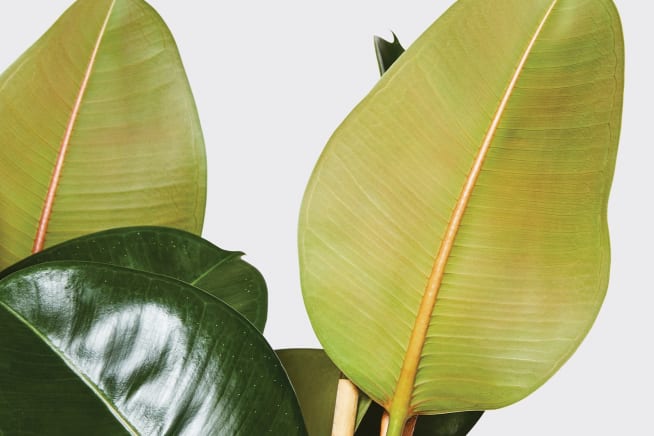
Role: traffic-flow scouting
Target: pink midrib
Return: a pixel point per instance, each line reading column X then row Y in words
column 46, row 212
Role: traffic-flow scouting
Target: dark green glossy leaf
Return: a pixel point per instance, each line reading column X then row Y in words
column 174, row 253
column 315, row 379
column 449, row 424
column 84, row 341
column 387, row 52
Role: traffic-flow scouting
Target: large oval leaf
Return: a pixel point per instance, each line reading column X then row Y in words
column 173, row 253
column 86, row 346
column 453, row 237
column 98, row 129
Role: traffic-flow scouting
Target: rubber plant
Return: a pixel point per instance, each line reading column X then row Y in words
column 453, row 240
column 130, row 330
column 453, row 237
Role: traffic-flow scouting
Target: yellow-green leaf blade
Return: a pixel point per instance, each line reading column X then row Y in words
column 105, row 90
column 529, row 260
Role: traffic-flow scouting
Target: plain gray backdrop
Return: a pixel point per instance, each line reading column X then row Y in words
column 272, row 80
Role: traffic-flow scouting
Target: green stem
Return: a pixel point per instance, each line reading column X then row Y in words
column 405, row 428
column 396, row 424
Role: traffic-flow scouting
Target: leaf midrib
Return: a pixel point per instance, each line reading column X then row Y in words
column 46, row 212
column 221, row 262
column 400, row 403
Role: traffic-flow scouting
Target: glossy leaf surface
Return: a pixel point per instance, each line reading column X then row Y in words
column 98, row 130
column 171, row 252
column 87, row 346
column 387, row 52
column 453, row 237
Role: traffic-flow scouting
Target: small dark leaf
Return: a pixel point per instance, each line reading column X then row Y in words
column 387, row 52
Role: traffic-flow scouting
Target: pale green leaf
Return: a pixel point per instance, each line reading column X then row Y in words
column 103, row 92
column 476, row 174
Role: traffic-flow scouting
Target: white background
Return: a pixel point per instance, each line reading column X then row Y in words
column 272, row 80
